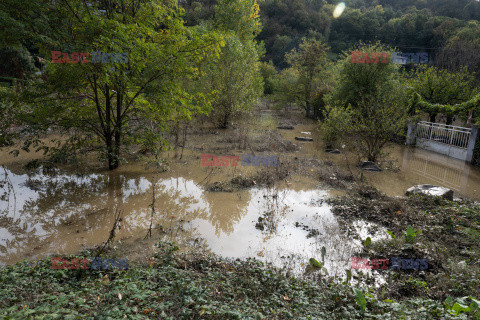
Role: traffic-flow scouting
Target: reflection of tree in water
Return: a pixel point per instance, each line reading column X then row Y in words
column 19, row 233
column 182, row 200
column 63, row 199
column 7, row 192
column 226, row 209
column 272, row 211
column 53, row 205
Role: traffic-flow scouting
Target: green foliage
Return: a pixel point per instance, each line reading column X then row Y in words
column 462, row 49
column 391, row 234
column 310, row 62
column 411, row 234
column 9, row 113
column 440, row 91
column 314, row 263
column 411, row 25
column 335, row 126
column 286, row 91
column 241, row 17
column 461, row 305
column 164, row 58
column 349, row 276
column 269, row 73
column 360, row 299
column 16, row 62
column 377, row 100
column 368, row 242
column 174, row 286
column 417, row 283
column 441, row 86
column 288, row 21
column 361, row 82
column 235, row 78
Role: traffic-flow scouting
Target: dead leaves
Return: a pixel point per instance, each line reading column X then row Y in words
column 286, row 298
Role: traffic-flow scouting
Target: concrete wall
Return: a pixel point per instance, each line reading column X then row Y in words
column 451, row 151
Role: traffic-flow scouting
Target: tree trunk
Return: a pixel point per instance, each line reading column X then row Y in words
column 307, row 109
column 226, row 117
column 108, row 130
column 177, row 132
column 118, row 133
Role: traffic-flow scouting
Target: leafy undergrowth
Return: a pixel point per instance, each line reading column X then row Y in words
column 446, row 233
column 176, row 287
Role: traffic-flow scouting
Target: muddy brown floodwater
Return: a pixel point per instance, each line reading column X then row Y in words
column 64, row 211
column 419, row 166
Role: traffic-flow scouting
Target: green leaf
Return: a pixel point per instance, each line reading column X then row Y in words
column 368, row 242
column 360, row 298
column 391, row 234
column 349, row 275
column 459, row 308
column 475, row 302
column 314, row 263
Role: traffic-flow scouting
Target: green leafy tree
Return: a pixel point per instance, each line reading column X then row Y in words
column 310, row 61
column 373, row 98
column 110, row 100
column 269, row 73
column 286, row 90
column 335, row 126
column 239, row 16
column 436, row 85
column 235, row 74
column 16, row 62
column 235, row 77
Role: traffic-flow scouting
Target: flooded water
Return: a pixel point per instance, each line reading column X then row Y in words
column 419, row 166
column 63, row 213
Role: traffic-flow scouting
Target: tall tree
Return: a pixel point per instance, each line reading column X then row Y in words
column 16, row 62
column 373, row 99
column 236, row 78
column 462, row 49
column 110, row 98
column 235, row 75
column 310, row 60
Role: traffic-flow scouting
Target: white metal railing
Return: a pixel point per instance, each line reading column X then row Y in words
column 451, row 135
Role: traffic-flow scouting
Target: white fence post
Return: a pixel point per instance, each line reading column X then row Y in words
column 411, row 134
column 471, row 144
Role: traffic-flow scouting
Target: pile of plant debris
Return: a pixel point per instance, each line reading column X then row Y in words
column 446, row 233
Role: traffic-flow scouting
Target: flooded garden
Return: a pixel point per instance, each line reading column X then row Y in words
column 284, row 215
